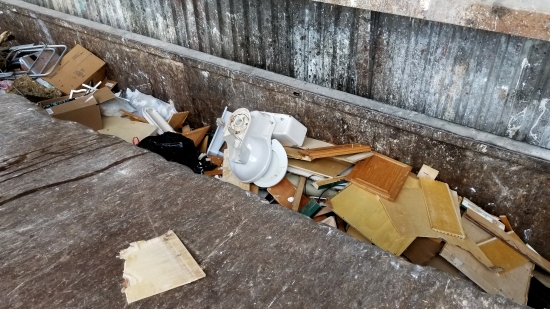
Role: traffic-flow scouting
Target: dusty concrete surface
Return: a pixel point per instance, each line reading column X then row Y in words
column 528, row 18
column 71, row 199
column 499, row 174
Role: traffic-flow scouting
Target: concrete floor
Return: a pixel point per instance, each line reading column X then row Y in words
column 71, row 199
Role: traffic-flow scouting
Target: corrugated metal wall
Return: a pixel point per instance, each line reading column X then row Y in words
column 489, row 81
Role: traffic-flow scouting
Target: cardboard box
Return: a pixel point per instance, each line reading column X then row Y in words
column 84, row 109
column 79, row 66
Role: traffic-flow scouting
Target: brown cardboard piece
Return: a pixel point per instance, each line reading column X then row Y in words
column 79, row 66
column 84, row 109
column 422, row 250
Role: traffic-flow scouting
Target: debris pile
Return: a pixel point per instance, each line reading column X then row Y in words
column 365, row 194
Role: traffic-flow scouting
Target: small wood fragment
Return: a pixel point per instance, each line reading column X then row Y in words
column 330, row 221
column 204, row 145
column 331, row 151
column 327, row 183
column 197, row 135
column 177, row 120
column 298, row 193
column 501, row 254
column 133, row 117
column 187, row 128
column 507, row 225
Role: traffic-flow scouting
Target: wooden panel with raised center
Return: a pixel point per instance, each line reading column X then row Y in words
column 380, row 175
column 444, row 218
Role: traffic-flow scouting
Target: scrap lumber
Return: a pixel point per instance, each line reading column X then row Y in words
column 332, row 151
column 507, row 225
column 501, row 254
column 283, row 193
column 157, row 265
column 354, row 158
column 325, row 167
column 177, row 120
column 133, row 117
column 474, row 232
column 328, row 183
column 428, row 172
column 444, row 216
column 380, row 175
column 466, row 203
column 204, row 145
column 409, row 217
column 310, row 143
column 363, row 210
column 513, row 242
column 298, row 193
column 513, row 284
column 197, row 135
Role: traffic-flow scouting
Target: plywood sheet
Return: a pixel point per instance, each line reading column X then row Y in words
column 513, row 284
column 443, row 216
column 518, row 245
column 409, row 216
column 363, row 210
column 157, row 265
column 502, row 254
column 177, row 120
column 380, row 175
column 325, row 167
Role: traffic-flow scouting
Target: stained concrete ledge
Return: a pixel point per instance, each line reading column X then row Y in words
column 71, row 199
column 527, row 18
column 501, row 175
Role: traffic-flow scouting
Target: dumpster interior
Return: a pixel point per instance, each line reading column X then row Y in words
column 137, row 170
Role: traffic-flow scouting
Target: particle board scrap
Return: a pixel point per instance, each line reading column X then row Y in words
column 354, row 158
column 332, row 151
column 512, row 241
column 409, row 216
column 325, row 167
column 501, row 254
column 283, row 193
column 474, row 232
column 363, row 211
column 157, row 265
column 428, row 172
column 513, row 284
column 298, row 193
column 380, row 175
column 442, row 212
column 197, row 135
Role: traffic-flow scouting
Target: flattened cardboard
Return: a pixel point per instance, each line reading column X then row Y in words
column 423, row 250
column 79, row 66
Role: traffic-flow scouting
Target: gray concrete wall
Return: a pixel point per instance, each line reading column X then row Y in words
column 490, row 81
column 501, row 175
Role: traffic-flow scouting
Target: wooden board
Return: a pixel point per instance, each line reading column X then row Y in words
column 229, row 177
column 157, row 265
column 412, row 182
column 310, row 143
column 177, row 120
column 474, row 232
column 332, row 151
column 355, row 157
column 516, row 244
column 325, row 167
column 487, row 216
column 355, row 234
column 133, row 117
column 363, row 210
column 507, row 225
column 501, row 254
column 409, row 216
column 298, row 193
column 443, row 215
column 513, row 284
column 428, row 172
column 197, row 135
column 127, row 129
column 283, row 193
column 380, row 175
column 327, row 183
column 422, row 250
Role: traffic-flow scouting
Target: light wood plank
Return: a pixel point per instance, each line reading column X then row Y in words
column 516, row 244
column 501, row 254
column 513, row 284
column 441, row 208
column 363, row 210
column 331, row 151
column 326, row 183
column 380, row 175
column 325, row 167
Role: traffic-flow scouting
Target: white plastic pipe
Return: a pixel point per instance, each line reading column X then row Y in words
column 154, row 118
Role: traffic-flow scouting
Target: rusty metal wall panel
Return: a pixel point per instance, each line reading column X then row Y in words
column 493, row 82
